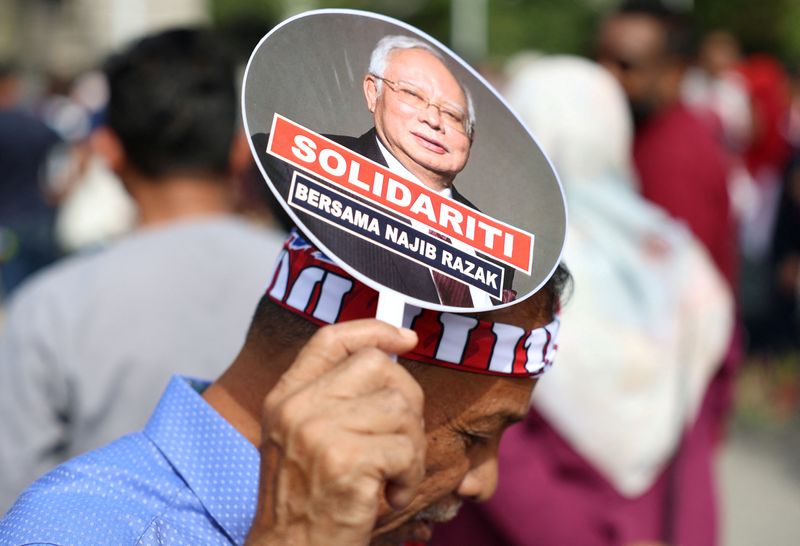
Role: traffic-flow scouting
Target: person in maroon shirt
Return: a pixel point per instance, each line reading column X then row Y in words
column 681, row 167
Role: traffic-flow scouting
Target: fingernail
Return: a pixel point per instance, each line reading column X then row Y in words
column 408, row 334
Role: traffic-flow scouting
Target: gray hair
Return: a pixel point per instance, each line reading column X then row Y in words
column 379, row 60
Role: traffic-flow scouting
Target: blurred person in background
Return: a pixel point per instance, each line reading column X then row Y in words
column 27, row 241
column 616, row 449
column 767, row 158
column 717, row 92
column 785, row 257
column 681, row 167
column 785, row 251
column 769, row 89
column 89, row 343
column 93, row 206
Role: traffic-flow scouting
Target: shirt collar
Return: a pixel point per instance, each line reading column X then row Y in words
column 217, row 463
column 396, row 167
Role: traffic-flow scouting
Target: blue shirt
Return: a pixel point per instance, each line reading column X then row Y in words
column 189, row 478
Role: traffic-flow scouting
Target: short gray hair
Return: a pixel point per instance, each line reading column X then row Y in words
column 379, row 60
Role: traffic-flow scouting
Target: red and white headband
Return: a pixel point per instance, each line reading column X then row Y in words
column 308, row 283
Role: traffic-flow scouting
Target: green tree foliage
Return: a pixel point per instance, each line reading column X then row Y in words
column 550, row 26
column 771, row 26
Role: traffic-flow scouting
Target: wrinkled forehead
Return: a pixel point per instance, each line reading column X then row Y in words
column 424, row 69
column 464, row 397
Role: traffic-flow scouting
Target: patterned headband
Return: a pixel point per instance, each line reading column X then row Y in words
column 309, row 284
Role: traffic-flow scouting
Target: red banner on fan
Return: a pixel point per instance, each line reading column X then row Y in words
column 330, row 161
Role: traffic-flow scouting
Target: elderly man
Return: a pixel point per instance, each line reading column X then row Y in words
column 424, row 124
column 312, row 436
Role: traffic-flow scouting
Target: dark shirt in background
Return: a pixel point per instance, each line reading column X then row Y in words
column 27, row 241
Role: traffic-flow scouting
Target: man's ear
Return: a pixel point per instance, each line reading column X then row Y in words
column 371, row 92
column 239, row 157
column 107, row 145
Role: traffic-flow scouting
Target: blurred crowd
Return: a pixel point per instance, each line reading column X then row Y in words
column 58, row 195
column 679, row 155
column 142, row 174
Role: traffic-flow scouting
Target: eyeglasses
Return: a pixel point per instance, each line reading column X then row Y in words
column 452, row 116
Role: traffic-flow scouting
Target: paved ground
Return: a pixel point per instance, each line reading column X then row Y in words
column 760, row 482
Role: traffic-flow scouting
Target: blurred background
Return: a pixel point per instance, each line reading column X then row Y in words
column 749, row 49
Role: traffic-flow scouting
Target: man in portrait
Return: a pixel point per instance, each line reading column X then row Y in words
column 424, row 124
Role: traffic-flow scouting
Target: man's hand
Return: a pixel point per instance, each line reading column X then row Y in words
column 342, row 425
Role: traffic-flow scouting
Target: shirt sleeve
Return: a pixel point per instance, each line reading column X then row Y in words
column 34, row 395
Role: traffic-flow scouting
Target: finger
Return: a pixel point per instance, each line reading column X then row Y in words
column 359, row 465
column 383, row 412
column 332, row 344
column 368, row 393
column 298, row 418
column 404, row 469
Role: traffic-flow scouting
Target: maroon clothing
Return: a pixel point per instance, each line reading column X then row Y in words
column 683, row 170
column 770, row 98
column 548, row 495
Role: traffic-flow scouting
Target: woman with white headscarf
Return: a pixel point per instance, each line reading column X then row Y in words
column 642, row 335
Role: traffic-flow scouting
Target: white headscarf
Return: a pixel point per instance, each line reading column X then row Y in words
column 650, row 317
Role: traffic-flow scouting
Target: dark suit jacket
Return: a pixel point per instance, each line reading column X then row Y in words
column 390, row 269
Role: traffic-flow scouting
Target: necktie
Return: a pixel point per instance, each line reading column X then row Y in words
column 451, row 291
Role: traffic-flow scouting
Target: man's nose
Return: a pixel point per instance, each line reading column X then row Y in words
column 480, row 482
column 431, row 115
